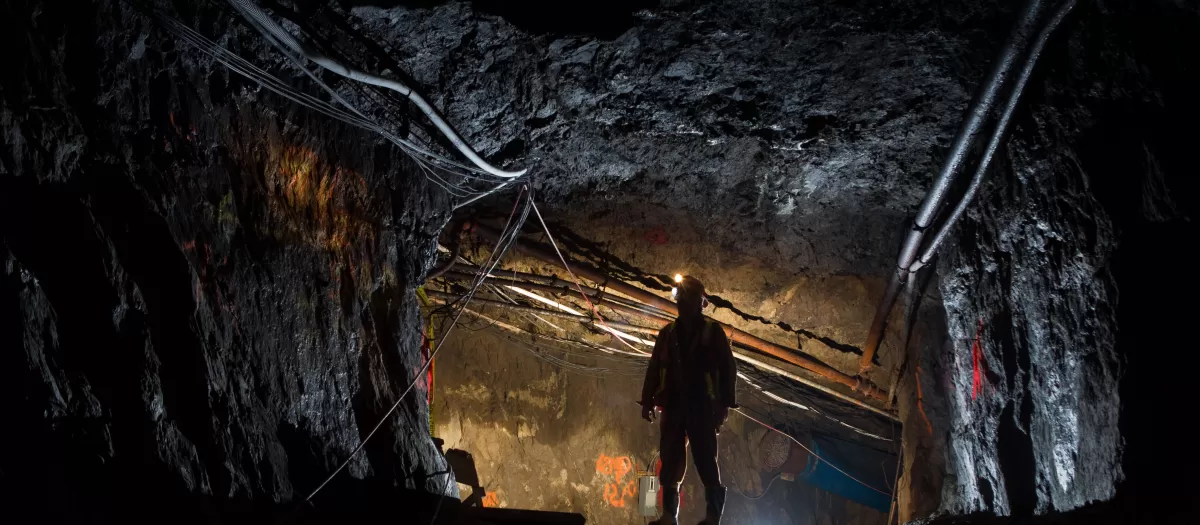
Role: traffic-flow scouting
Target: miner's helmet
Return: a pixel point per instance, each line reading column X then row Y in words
column 688, row 288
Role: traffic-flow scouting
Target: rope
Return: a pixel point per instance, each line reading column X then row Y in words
column 810, row 451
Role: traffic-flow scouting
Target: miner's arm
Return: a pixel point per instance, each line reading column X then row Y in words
column 655, row 371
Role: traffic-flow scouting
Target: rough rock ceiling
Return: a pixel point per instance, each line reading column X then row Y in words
column 778, row 119
column 179, row 273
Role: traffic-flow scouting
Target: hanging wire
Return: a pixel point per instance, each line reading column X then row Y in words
column 296, row 51
column 760, row 494
column 810, row 451
column 434, row 167
column 505, row 241
column 622, row 365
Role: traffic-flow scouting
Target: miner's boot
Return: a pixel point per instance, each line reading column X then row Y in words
column 670, row 512
column 714, row 498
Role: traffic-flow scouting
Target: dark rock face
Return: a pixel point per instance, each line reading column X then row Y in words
column 204, row 293
column 1044, row 270
column 781, row 121
column 803, row 133
column 208, row 291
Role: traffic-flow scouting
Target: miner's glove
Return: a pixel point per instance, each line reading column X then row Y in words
column 648, row 413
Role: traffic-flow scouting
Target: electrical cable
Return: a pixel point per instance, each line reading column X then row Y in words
column 422, row 156
column 998, row 134
column 629, row 371
column 496, row 290
column 782, row 400
column 441, row 495
column 760, row 494
column 497, row 253
column 427, row 161
column 605, row 351
column 271, row 29
column 576, row 279
column 494, row 258
column 810, row 451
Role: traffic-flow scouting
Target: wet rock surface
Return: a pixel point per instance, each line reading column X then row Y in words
column 1043, row 274
column 783, row 120
column 207, row 297
column 206, row 290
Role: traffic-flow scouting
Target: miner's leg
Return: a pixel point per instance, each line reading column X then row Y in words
column 702, row 431
column 672, row 446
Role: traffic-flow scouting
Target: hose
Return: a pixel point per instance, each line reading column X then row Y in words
column 426, row 160
column 998, row 134
column 271, row 29
column 977, row 112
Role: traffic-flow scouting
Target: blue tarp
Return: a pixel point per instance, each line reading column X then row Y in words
column 872, row 467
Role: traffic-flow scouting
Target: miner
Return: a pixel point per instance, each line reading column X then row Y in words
column 690, row 382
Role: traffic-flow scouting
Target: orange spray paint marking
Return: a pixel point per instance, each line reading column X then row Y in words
column 616, row 490
column 629, row 491
column 491, row 500
column 657, row 236
column 612, row 496
column 977, row 363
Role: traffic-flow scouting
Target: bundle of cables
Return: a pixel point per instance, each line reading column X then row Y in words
column 467, row 183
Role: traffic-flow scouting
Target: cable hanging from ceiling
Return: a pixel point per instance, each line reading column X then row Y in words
column 284, row 40
column 593, row 322
column 456, row 178
column 772, row 398
column 511, row 230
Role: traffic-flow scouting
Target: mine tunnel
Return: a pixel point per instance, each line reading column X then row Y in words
column 435, row 262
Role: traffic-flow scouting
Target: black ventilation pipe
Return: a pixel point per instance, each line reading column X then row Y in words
column 977, row 113
column 1035, row 50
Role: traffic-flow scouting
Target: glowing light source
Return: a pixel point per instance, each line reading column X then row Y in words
column 678, row 278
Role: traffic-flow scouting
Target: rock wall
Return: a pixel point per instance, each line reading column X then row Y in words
column 1047, row 273
column 206, row 297
column 543, row 434
column 545, row 437
column 211, row 290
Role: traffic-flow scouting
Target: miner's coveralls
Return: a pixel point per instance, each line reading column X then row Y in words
column 691, row 374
